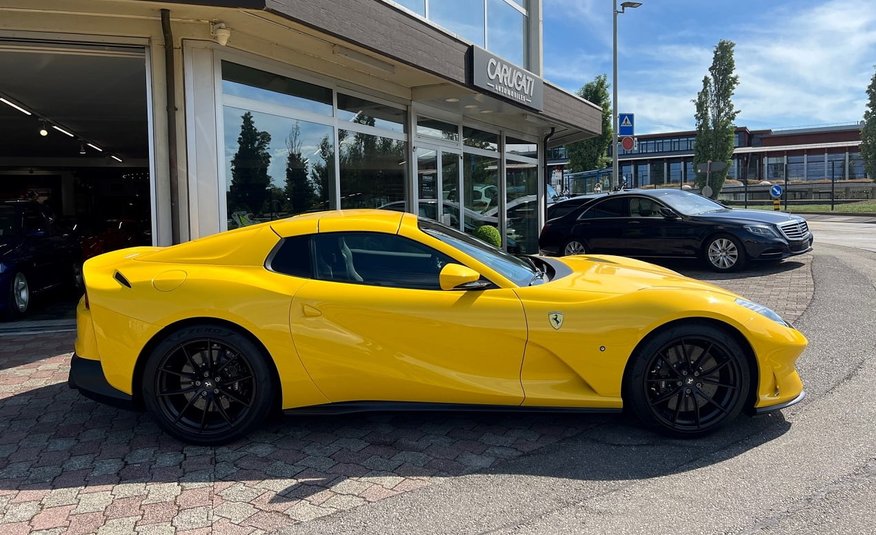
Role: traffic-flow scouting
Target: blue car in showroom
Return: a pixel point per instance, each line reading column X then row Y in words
column 35, row 256
column 671, row 223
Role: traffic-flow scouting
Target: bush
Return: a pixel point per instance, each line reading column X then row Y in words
column 489, row 234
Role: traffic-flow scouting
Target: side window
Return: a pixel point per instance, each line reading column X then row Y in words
column 616, row 207
column 292, row 257
column 643, row 207
column 33, row 220
column 378, row 259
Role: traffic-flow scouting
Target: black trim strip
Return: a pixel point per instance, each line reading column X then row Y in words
column 350, row 407
column 772, row 408
column 87, row 377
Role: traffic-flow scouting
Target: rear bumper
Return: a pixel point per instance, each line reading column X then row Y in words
column 87, row 377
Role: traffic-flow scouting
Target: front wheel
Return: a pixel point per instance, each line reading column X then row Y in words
column 724, row 253
column 17, row 296
column 207, row 384
column 574, row 247
column 688, row 380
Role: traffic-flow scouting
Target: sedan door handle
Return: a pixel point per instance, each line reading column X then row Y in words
column 311, row 312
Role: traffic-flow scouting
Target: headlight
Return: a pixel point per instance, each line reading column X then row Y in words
column 763, row 311
column 762, row 230
column 2, row 267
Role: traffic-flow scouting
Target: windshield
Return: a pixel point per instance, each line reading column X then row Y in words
column 691, row 203
column 515, row 269
column 10, row 222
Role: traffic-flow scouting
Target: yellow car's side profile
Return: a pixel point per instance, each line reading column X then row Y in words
column 361, row 309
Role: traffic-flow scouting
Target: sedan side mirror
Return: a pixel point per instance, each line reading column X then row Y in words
column 668, row 213
column 459, row 277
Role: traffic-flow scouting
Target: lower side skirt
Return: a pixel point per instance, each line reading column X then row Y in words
column 351, row 407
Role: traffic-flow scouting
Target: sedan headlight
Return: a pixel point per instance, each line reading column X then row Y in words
column 763, row 230
column 2, row 267
column 762, row 310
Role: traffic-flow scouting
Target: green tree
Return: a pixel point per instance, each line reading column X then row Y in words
column 715, row 116
column 249, row 168
column 593, row 153
column 868, row 132
column 300, row 190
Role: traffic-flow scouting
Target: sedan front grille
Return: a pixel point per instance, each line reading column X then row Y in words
column 795, row 230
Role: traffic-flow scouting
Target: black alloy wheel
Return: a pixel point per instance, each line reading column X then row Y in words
column 688, row 380
column 207, row 385
column 724, row 253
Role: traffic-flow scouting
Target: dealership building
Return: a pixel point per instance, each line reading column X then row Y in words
column 182, row 119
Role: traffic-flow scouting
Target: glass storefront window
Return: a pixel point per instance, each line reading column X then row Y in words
column 795, row 167
column 437, row 129
column 472, row 137
column 835, row 166
column 506, row 31
column 521, row 147
column 261, row 86
column 814, row 166
column 465, row 18
column 360, row 111
column 480, row 180
column 372, row 169
column 275, row 166
column 417, row 6
column 521, row 206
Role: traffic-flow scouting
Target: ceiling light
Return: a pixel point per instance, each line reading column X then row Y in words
column 116, row 158
column 451, row 99
column 471, row 106
column 95, row 147
column 486, row 111
column 16, row 106
column 220, row 32
column 59, row 129
column 82, row 148
column 43, row 131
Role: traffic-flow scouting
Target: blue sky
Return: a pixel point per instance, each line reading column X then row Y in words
column 800, row 62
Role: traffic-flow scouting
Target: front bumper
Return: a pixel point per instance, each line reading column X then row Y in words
column 87, row 376
column 785, row 405
column 776, row 248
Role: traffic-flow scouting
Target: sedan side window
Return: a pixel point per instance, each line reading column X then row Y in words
column 642, row 207
column 616, row 207
column 378, row 259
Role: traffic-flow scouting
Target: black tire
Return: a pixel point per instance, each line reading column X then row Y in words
column 18, row 297
column 724, row 253
column 688, row 380
column 573, row 247
column 207, row 384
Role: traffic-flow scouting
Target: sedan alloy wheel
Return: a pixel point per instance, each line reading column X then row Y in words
column 574, row 247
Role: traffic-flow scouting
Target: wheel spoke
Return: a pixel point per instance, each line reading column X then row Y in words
column 668, row 365
column 190, row 376
column 710, row 400
column 183, row 411
column 178, row 392
column 665, row 397
column 228, row 360
column 235, row 380
column 684, row 354
column 206, row 411
column 715, row 369
column 702, row 357
column 234, row 397
column 223, row 413
column 718, row 383
column 678, row 405
column 189, row 358
column 697, row 412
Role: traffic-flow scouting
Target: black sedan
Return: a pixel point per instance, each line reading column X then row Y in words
column 671, row 223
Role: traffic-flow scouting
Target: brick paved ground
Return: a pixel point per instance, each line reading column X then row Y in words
column 70, row 465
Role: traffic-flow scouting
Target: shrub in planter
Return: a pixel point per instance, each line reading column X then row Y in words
column 489, row 234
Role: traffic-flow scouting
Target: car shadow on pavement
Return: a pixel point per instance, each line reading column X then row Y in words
column 53, row 438
column 21, row 350
column 696, row 270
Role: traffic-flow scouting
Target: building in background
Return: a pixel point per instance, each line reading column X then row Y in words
column 185, row 118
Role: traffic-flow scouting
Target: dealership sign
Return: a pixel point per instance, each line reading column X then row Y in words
column 496, row 75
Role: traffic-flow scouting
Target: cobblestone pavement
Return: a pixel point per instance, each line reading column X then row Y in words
column 70, row 465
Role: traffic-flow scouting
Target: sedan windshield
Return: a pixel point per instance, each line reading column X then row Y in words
column 515, row 269
column 691, row 203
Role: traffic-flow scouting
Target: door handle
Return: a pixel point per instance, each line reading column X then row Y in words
column 311, row 312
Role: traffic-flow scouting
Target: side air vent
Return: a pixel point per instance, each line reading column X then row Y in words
column 121, row 279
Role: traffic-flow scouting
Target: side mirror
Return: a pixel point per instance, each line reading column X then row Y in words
column 459, row 277
column 668, row 213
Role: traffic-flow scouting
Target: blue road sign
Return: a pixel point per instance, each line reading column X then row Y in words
column 776, row 191
column 626, row 121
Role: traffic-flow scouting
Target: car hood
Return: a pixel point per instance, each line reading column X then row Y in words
column 620, row 275
column 749, row 216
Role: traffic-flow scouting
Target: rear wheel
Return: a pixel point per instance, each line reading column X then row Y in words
column 207, row 384
column 688, row 380
column 574, row 247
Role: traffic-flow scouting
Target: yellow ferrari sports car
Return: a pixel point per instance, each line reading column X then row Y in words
column 358, row 310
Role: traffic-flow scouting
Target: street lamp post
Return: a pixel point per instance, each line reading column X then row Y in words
column 614, row 136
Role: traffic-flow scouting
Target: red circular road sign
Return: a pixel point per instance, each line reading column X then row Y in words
column 628, row 143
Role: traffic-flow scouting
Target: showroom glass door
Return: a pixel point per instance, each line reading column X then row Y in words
column 438, row 185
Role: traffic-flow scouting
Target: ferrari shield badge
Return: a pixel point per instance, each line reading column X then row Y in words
column 556, row 319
